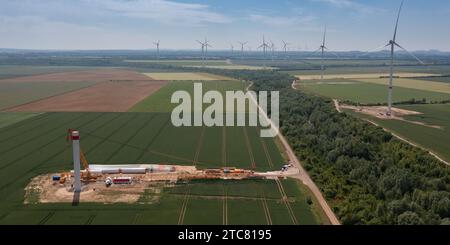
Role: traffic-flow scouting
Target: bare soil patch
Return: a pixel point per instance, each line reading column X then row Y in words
column 110, row 96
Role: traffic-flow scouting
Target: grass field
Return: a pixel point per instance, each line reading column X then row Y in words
column 367, row 93
column 185, row 76
column 160, row 101
column 14, row 94
column 140, row 138
column 436, row 140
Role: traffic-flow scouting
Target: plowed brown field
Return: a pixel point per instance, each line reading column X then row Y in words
column 103, row 97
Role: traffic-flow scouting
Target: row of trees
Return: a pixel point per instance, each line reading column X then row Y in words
column 367, row 175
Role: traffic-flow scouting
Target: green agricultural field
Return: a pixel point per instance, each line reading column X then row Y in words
column 185, row 76
column 9, row 118
column 434, row 139
column 114, row 138
column 436, row 79
column 182, row 62
column 367, row 93
column 233, row 67
column 368, row 67
column 10, row 71
column 160, row 101
column 18, row 93
column 413, row 84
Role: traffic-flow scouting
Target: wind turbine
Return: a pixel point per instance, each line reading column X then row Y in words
column 394, row 43
column 323, row 47
column 242, row 49
column 232, row 49
column 203, row 52
column 157, row 48
column 264, row 46
column 206, row 48
column 285, row 46
column 272, row 48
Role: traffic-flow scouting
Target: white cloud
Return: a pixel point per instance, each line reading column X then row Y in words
column 163, row 11
column 279, row 21
column 350, row 4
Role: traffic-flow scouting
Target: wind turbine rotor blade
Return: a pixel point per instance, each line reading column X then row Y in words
column 373, row 50
column 411, row 54
column 317, row 50
column 324, row 35
column 398, row 18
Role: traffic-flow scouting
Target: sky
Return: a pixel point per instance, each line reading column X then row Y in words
column 135, row 24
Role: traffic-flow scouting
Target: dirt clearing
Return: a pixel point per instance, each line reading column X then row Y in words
column 110, row 96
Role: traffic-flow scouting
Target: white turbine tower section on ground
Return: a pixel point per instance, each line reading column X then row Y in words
column 157, row 49
column 264, row 46
column 75, row 135
column 392, row 43
column 242, row 49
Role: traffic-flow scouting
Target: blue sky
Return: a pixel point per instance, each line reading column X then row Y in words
column 135, row 24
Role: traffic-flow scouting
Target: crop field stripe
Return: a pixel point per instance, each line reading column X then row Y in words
column 130, row 138
column 106, row 138
column 224, row 146
column 46, row 218
column 266, row 209
column 29, row 129
column 32, row 138
column 183, row 208
column 3, row 166
column 224, row 206
column 199, row 146
column 149, row 144
column 37, row 166
column 286, row 202
column 266, row 152
column 90, row 219
column 31, row 120
column 249, row 148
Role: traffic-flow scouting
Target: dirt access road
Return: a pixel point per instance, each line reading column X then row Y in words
column 302, row 174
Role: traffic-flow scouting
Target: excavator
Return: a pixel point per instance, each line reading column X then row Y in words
column 86, row 175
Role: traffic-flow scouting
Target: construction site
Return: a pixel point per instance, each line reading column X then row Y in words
column 126, row 183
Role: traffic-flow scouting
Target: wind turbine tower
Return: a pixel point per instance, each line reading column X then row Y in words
column 206, row 48
column 272, row 49
column 203, row 52
column 285, row 46
column 242, row 49
column 322, row 48
column 393, row 43
column 157, row 49
column 264, row 46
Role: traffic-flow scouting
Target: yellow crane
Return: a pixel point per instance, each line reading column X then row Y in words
column 86, row 175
